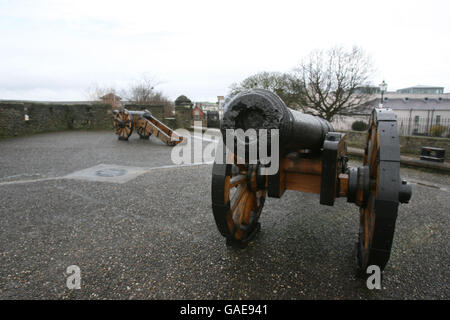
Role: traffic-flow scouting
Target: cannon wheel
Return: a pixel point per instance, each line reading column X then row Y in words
column 238, row 196
column 378, row 213
column 123, row 125
column 143, row 128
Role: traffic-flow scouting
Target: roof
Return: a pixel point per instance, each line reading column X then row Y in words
column 422, row 86
column 111, row 95
column 183, row 100
column 416, row 104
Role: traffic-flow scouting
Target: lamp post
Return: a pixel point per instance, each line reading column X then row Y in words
column 383, row 88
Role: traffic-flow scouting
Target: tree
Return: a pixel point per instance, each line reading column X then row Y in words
column 285, row 85
column 143, row 92
column 94, row 93
column 332, row 78
column 140, row 92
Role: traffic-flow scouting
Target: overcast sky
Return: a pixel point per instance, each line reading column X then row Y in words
column 56, row 50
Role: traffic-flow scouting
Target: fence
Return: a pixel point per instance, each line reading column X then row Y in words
column 415, row 126
column 407, row 126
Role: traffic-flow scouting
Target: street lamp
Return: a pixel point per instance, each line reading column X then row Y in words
column 383, row 88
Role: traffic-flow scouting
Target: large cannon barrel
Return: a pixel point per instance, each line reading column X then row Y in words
column 262, row 109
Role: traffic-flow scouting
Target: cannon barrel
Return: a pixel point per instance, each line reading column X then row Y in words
column 262, row 109
column 146, row 114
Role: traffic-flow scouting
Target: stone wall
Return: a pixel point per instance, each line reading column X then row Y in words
column 408, row 144
column 47, row 117
column 52, row 117
column 183, row 117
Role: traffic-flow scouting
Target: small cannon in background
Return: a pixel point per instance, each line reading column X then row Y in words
column 145, row 124
column 312, row 158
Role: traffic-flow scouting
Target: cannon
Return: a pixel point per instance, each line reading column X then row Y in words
column 312, row 158
column 145, row 124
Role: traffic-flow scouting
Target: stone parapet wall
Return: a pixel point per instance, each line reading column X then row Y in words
column 18, row 119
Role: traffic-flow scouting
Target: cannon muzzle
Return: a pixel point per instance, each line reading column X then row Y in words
column 262, row 109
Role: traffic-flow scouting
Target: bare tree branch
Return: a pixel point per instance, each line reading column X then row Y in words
column 331, row 79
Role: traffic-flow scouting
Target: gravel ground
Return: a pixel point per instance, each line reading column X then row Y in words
column 154, row 237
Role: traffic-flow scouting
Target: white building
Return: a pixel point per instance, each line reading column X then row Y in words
column 418, row 110
column 417, row 116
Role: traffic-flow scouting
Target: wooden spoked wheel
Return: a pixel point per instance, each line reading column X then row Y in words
column 238, row 195
column 123, row 124
column 378, row 212
column 143, row 128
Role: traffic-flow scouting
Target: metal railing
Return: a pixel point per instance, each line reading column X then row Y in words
column 407, row 126
column 416, row 126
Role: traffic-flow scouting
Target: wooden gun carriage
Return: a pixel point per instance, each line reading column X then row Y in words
column 145, row 124
column 312, row 158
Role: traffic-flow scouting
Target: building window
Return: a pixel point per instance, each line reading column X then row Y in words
column 438, row 120
column 416, row 119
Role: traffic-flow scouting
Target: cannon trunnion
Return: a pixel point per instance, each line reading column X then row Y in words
column 312, row 158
